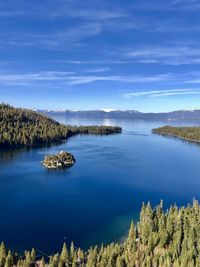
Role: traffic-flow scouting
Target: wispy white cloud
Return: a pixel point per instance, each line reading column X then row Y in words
column 94, row 10
column 193, row 81
column 69, row 78
column 74, row 80
column 186, row 5
column 181, row 5
column 97, row 70
column 162, row 93
column 88, row 13
column 28, row 79
column 57, row 39
column 100, row 75
column 91, row 62
column 12, row 13
column 82, row 20
column 171, row 55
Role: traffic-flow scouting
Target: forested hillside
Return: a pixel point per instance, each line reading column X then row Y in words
column 22, row 127
column 160, row 239
column 188, row 133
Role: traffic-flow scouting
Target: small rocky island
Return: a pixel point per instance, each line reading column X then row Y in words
column 61, row 160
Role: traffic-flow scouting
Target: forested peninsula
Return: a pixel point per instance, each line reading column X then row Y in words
column 26, row 128
column 191, row 134
column 160, row 239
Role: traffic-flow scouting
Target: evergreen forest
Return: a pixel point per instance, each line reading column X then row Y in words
column 160, row 239
column 23, row 127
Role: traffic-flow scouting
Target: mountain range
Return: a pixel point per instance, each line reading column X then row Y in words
column 128, row 114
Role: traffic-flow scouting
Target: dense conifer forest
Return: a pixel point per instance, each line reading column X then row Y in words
column 23, row 127
column 159, row 239
column 188, row 133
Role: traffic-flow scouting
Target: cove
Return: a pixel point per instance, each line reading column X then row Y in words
column 95, row 200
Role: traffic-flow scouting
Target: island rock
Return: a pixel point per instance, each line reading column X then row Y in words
column 61, row 160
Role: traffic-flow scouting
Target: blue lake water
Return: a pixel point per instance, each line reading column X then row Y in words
column 95, row 200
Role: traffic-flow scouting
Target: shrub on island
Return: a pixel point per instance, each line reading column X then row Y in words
column 61, row 160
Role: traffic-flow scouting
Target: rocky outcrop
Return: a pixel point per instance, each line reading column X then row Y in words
column 61, row 160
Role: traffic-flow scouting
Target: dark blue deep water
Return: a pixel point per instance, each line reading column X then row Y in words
column 94, row 201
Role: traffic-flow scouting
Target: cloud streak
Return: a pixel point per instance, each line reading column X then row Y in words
column 82, row 20
column 58, row 39
column 163, row 93
column 171, row 5
column 58, row 9
column 72, row 79
column 171, row 55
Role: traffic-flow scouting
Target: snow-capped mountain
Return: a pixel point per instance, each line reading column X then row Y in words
column 187, row 114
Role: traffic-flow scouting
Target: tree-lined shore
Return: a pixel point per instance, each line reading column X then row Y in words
column 26, row 128
column 159, row 239
column 191, row 134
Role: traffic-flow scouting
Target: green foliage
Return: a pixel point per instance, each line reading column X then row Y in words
column 9, row 260
column 61, row 160
column 23, row 127
column 187, row 133
column 160, row 239
column 2, row 254
column 64, row 256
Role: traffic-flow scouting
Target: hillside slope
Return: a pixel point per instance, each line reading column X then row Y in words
column 23, row 127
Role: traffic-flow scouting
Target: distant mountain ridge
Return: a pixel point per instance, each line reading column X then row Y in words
column 192, row 114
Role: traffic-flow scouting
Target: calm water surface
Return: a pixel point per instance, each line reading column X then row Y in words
column 94, row 201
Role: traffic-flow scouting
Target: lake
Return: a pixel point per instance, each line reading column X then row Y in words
column 94, row 201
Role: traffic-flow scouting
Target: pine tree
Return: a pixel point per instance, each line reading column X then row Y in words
column 132, row 236
column 9, row 260
column 27, row 258
column 120, row 262
column 72, row 251
column 2, row 254
column 33, row 254
column 42, row 264
column 64, row 257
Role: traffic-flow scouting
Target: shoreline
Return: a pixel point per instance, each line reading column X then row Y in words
column 177, row 136
column 58, row 141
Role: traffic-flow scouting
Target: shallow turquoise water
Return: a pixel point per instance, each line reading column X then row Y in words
column 94, row 201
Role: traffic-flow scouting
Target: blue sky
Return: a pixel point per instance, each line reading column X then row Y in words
column 80, row 54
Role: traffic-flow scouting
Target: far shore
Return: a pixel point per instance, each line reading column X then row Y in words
column 176, row 136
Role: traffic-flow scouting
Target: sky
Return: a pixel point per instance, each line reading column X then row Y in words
column 100, row 54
